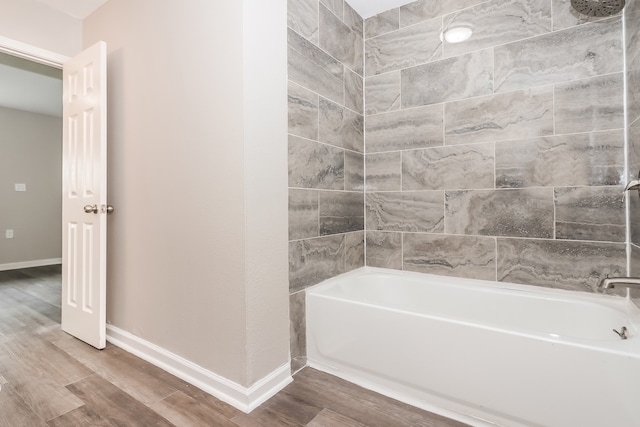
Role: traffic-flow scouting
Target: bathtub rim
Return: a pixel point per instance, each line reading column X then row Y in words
column 613, row 301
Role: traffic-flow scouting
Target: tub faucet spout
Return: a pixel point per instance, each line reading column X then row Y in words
column 623, row 282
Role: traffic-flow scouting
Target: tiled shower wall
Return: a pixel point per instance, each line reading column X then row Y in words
column 326, row 150
column 500, row 158
column 632, row 27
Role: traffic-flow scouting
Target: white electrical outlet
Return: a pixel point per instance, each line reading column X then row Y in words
column 21, row 187
column 8, row 234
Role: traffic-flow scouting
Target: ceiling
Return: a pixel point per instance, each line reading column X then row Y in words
column 39, row 88
column 368, row 8
column 79, row 9
column 26, row 85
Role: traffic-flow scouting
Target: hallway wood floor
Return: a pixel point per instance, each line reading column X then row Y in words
column 48, row 378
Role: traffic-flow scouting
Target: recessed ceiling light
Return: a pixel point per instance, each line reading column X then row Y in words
column 456, row 34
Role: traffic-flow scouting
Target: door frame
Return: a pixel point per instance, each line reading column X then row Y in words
column 32, row 53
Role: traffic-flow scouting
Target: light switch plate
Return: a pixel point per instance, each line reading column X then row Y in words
column 8, row 234
column 21, row 187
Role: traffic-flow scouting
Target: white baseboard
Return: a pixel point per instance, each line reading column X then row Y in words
column 243, row 398
column 29, row 264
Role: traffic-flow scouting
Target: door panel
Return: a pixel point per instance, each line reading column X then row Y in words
column 84, row 203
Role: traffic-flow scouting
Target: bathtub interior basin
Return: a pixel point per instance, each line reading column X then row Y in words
column 481, row 352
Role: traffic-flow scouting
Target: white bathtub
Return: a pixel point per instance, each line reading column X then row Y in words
column 481, row 352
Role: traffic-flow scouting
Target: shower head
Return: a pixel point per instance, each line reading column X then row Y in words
column 598, row 7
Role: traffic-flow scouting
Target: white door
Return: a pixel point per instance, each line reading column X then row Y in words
column 84, row 199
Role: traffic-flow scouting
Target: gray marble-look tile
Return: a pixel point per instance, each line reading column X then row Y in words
column 298, row 326
column 382, row 23
column 451, row 79
column 312, row 68
column 633, row 135
column 590, row 213
column 635, row 261
column 595, row 158
column 634, row 217
column 384, row 171
column 633, row 96
column 384, row 249
column 340, row 41
column 632, row 6
column 405, row 129
column 302, row 17
column 415, row 211
column 404, row 48
column 353, row 171
column 421, row 10
column 340, row 126
column 577, row 266
column 353, row 92
column 635, row 272
column 303, row 214
column 353, row 20
column 303, row 112
column 565, row 16
column 354, row 250
column 452, row 168
column 382, row 93
column 313, row 260
column 341, row 212
column 335, row 6
column 315, row 165
column 460, row 256
column 592, row 104
column 574, row 53
column 632, row 29
column 514, row 115
column 510, row 213
column 497, row 22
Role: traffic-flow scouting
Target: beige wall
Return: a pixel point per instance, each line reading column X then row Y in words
column 30, row 153
column 54, row 30
column 197, row 246
column 265, row 172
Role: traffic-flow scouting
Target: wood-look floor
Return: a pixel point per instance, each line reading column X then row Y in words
column 48, row 378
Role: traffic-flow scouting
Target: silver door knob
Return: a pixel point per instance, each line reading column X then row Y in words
column 109, row 209
column 91, row 209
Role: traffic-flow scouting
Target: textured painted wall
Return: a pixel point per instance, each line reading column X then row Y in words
column 499, row 158
column 326, row 146
column 198, row 241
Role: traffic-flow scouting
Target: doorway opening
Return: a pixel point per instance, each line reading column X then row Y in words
column 30, row 163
